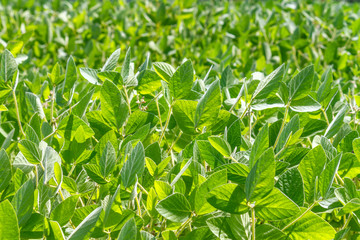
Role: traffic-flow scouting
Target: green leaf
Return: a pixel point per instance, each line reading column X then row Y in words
column 351, row 206
column 22, row 163
column 151, row 202
column 5, row 170
column 63, row 212
column 236, row 172
column 311, row 227
column 56, row 78
column 306, row 104
column 229, row 198
column 134, row 166
column 175, row 207
column 214, row 180
column 181, row 81
column 5, row 90
column 56, row 232
column 113, row 210
column 336, row 123
column 268, row 232
column 260, row 145
column 291, row 127
column 80, row 108
column 8, row 66
column 221, row 145
column 284, row 92
column 125, row 70
column 167, row 235
column 111, row 62
column 9, row 228
column 72, row 127
column 291, row 184
column 266, row 103
column 329, row 149
column 208, row 106
column 128, row 231
column 349, row 165
column 327, row 176
column 199, row 233
column 14, row 46
column 356, row 147
column 260, row 180
column 310, row 168
column 234, row 227
column 93, row 170
column 149, row 82
column 23, row 202
column 30, row 151
column 234, row 135
column 184, row 114
column 275, row 206
column 314, row 126
column 35, row 104
column 31, row 135
column 227, row 78
column 50, row 158
column 270, row 84
column 325, row 87
column 113, row 106
column 203, row 151
column 84, row 228
column 90, row 75
column 300, row 85
column 163, row 189
column 164, row 70
column 113, row 76
column 137, row 120
column 107, row 160
column 70, row 75
column 185, row 165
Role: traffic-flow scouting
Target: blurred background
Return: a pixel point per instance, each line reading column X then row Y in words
column 246, row 35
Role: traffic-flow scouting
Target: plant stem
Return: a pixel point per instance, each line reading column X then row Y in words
column 52, row 107
column 127, row 99
column 326, row 118
column 93, row 137
column 138, row 205
column 92, row 194
column 347, row 221
column 82, row 202
column 72, row 169
column 246, row 101
column 174, row 142
column 340, row 179
column 245, row 111
column 142, row 188
column 298, row 218
column 18, row 113
column 237, row 98
column 232, row 158
column 253, row 219
column 282, row 125
column 154, row 99
column 159, row 113
column 182, row 227
column 36, row 177
column 50, row 135
column 166, row 125
column 249, row 123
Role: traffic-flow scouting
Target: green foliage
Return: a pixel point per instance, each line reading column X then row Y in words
column 179, row 120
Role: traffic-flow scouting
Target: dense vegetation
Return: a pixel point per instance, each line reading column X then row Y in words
column 179, row 120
